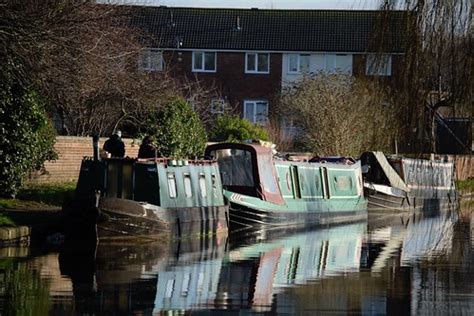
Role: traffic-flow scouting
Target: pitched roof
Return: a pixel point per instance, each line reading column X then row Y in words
column 269, row 30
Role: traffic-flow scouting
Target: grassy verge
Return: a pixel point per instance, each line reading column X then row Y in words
column 40, row 196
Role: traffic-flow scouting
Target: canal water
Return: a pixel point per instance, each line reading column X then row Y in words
column 419, row 264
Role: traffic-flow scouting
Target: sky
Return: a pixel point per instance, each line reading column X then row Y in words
column 262, row 4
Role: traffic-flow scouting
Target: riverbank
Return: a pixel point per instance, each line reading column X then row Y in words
column 35, row 214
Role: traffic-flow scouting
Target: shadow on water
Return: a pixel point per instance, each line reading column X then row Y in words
column 413, row 263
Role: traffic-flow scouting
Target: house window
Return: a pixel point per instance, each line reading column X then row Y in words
column 256, row 112
column 257, row 63
column 204, row 61
column 378, row 65
column 340, row 63
column 298, row 63
column 217, row 106
column 151, row 59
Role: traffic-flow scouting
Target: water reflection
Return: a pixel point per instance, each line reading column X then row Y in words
column 412, row 264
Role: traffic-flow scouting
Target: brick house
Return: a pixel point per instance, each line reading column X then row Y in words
column 251, row 54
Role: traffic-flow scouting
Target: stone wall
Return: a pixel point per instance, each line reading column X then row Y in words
column 70, row 151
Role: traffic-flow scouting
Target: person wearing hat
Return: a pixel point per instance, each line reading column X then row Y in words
column 114, row 145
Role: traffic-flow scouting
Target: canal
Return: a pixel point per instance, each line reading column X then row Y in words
column 422, row 264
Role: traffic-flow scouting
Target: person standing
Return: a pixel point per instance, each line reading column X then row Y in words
column 147, row 148
column 114, row 145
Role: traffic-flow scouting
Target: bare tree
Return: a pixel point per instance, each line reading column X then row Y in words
column 83, row 58
column 340, row 115
column 438, row 69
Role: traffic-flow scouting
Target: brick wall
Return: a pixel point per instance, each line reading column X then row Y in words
column 230, row 78
column 70, row 151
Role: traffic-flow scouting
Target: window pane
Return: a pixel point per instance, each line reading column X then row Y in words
column 156, row 60
column 187, row 186
column 292, row 62
column 304, row 63
column 198, row 60
column 217, row 106
column 172, row 185
column 235, row 166
column 251, row 62
column 209, row 61
column 143, row 63
column 330, row 62
column 261, row 113
column 248, row 111
column 202, row 185
column 263, row 62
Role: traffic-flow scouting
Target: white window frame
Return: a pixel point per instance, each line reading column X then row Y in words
column 384, row 68
column 298, row 63
column 149, row 54
column 256, row 71
column 203, row 59
column 254, row 115
column 219, row 104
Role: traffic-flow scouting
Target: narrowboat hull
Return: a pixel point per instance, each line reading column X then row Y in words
column 405, row 184
column 246, row 211
column 125, row 219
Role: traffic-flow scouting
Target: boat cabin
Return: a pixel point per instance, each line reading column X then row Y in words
column 247, row 169
column 162, row 182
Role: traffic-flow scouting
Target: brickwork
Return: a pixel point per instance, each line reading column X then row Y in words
column 230, row 78
column 70, row 151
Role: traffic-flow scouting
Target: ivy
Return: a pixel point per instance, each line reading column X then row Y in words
column 26, row 134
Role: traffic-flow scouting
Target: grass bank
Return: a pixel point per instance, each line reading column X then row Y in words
column 40, row 198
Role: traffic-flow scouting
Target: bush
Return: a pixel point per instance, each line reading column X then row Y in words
column 234, row 129
column 26, row 134
column 341, row 115
column 178, row 131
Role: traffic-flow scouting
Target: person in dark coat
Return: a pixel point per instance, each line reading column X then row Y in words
column 147, row 148
column 115, row 146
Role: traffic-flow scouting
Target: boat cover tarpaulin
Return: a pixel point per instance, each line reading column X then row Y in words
column 395, row 180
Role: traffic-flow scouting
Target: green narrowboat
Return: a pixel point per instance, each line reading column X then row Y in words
column 146, row 198
column 264, row 191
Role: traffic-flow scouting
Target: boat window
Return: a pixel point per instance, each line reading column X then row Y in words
column 343, row 183
column 172, row 185
column 214, row 184
column 235, row 166
column 202, row 185
column 187, row 185
column 266, row 169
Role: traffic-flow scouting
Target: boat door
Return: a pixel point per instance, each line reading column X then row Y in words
column 295, row 182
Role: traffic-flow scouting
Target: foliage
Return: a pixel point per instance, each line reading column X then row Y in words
column 177, row 129
column 230, row 128
column 466, row 185
column 6, row 221
column 26, row 134
column 340, row 115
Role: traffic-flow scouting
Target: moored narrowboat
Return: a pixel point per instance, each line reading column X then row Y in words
column 264, row 191
column 395, row 183
column 147, row 198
